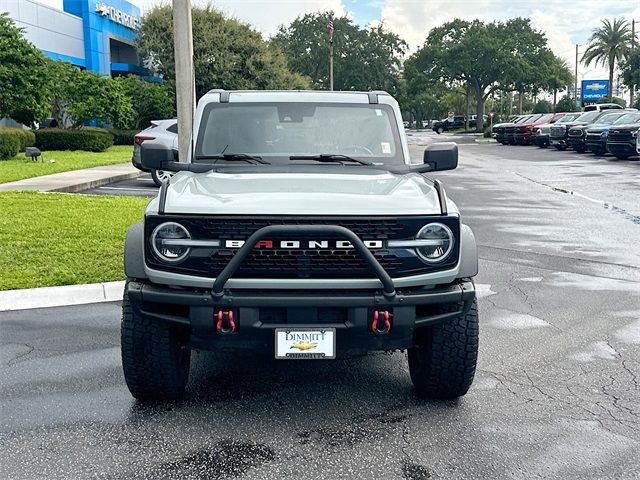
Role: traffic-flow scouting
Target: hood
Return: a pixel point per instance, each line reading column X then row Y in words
column 626, row 127
column 362, row 192
column 599, row 128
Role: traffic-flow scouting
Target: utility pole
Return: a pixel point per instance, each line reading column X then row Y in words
column 575, row 83
column 633, row 49
column 185, row 84
column 331, row 65
column 330, row 30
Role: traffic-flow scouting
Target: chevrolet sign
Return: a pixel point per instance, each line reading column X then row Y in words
column 594, row 90
column 118, row 16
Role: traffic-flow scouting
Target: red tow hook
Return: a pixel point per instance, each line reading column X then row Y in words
column 381, row 323
column 224, row 322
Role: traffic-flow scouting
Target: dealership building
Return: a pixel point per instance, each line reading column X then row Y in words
column 97, row 35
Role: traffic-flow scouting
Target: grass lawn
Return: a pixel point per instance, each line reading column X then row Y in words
column 20, row 167
column 51, row 239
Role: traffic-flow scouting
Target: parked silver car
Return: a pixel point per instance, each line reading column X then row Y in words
column 164, row 131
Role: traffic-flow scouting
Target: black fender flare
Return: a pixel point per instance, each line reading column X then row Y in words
column 468, row 253
column 134, row 252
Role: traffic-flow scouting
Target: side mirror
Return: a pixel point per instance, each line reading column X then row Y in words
column 441, row 156
column 156, row 156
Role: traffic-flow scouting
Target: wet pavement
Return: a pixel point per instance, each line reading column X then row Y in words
column 556, row 394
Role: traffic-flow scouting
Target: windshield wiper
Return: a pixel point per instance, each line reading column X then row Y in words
column 233, row 157
column 330, row 158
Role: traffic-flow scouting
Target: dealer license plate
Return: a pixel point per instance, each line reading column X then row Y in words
column 307, row 343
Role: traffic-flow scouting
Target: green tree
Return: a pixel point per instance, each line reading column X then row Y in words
column 630, row 69
column 608, row 46
column 80, row 96
column 461, row 52
column 151, row 100
column 364, row 58
column 422, row 97
column 24, row 80
column 558, row 78
column 226, row 53
column 566, row 104
column 617, row 100
column 542, row 106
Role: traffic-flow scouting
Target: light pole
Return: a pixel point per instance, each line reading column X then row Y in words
column 575, row 83
column 185, row 84
column 633, row 49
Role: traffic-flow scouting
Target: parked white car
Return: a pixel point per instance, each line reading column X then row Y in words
column 165, row 131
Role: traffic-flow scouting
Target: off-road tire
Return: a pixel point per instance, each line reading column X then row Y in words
column 155, row 359
column 442, row 364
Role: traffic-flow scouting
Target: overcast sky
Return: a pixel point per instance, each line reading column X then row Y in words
column 565, row 22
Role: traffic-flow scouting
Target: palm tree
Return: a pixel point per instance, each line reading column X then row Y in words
column 609, row 45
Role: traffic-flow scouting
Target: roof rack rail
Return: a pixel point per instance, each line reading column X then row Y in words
column 224, row 95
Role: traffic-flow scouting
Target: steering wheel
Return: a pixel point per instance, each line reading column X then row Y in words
column 361, row 148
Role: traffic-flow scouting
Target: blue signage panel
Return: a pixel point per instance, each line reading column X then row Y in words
column 594, row 90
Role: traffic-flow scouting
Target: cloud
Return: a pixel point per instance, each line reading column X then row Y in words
column 564, row 23
column 265, row 16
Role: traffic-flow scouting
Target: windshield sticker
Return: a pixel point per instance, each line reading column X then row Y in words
column 378, row 112
column 386, row 147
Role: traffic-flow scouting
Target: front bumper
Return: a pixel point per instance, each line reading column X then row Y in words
column 523, row 138
column 560, row 141
column 259, row 312
column 596, row 147
column 541, row 140
column 577, row 143
column 622, row 148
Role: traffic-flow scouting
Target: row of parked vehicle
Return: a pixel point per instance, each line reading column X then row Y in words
column 601, row 129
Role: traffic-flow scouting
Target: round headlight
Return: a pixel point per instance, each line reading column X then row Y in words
column 165, row 241
column 439, row 244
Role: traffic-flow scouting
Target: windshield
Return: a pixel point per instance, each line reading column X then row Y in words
column 589, row 116
column 277, row 131
column 609, row 118
column 569, row 118
column 545, row 118
column 524, row 119
column 628, row 118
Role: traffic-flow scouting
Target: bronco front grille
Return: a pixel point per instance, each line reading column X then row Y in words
column 285, row 263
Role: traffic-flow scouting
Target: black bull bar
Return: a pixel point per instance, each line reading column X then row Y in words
column 389, row 290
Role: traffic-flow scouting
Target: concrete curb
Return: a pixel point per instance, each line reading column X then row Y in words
column 74, row 181
column 79, row 187
column 60, row 296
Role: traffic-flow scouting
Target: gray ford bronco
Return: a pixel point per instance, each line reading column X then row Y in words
column 298, row 225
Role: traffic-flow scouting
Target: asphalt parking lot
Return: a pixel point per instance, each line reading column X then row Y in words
column 556, row 394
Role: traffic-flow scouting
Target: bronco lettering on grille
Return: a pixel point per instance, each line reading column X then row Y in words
column 307, row 244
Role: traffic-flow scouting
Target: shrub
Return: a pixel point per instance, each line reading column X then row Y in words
column 487, row 132
column 29, row 138
column 12, row 140
column 91, row 140
column 26, row 138
column 122, row 137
